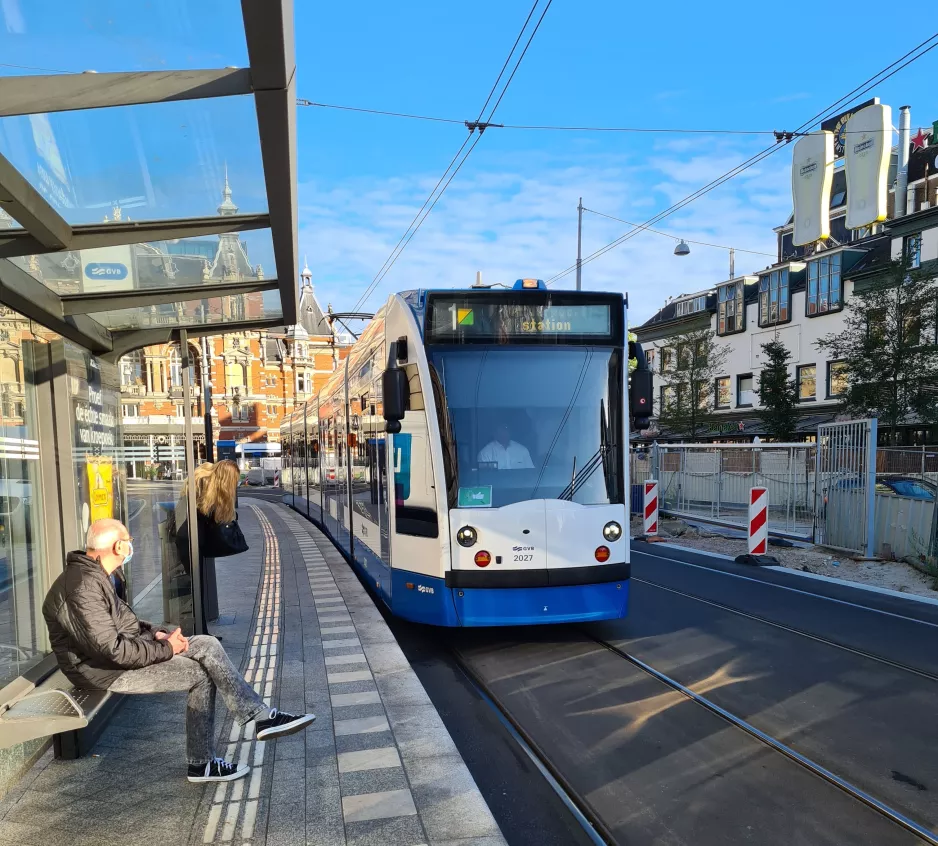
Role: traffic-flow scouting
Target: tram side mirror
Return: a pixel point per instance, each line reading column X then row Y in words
column 395, row 392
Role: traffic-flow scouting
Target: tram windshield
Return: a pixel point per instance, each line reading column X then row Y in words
column 524, row 423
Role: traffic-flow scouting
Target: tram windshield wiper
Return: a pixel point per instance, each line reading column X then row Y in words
column 582, row 477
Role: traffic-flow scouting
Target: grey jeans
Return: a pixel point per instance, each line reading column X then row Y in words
column 204, row 668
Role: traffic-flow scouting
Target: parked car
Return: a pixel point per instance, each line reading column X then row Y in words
column 904, row 486
column 896, row 486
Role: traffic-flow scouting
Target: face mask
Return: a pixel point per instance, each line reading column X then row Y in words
column 129, row 555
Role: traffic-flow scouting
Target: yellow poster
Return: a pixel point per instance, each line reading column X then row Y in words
column 100, row 487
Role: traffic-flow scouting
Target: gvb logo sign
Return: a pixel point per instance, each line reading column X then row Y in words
column 105, row 270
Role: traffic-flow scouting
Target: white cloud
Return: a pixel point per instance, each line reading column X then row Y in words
column 514, row 215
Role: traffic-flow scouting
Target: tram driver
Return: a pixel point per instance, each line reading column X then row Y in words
column 503, row 453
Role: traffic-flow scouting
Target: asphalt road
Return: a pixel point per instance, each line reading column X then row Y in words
column 655, row 767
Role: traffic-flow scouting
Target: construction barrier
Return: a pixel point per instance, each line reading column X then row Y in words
column 651, row 507
column 758, row 521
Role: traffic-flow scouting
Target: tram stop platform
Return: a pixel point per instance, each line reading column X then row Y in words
column 377, row 767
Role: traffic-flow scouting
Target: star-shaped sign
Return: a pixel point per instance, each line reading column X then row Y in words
column 919, row 140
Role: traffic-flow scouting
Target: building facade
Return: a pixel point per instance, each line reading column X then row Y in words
column 255, row 378
column 798, row 299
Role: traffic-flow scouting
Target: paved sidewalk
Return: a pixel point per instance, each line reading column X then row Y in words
column 377, row 766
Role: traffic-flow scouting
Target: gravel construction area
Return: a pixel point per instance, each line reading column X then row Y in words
column 892, row 575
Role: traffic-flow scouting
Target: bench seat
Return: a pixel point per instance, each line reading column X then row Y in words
column 52, row 707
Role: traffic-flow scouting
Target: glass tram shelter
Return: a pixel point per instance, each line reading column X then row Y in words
column 112, row 237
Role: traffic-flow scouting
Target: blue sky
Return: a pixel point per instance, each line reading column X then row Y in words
column 511, row 211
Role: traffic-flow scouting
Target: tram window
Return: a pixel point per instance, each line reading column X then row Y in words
column 562, row 411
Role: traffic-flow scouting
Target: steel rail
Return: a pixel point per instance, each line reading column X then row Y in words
column 857, row 793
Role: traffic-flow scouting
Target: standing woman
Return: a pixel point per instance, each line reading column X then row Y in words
column 219, row 532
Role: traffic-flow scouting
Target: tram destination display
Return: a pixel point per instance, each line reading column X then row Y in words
column 468, row 319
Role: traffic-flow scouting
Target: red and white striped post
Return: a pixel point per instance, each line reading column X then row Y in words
column 276, row 478
column 651, row 507
column 758, row 521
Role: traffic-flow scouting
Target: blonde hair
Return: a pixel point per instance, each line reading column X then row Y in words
column 201, row 475
column 216, row 498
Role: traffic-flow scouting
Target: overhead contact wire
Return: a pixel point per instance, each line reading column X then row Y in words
column 881, row 76
column 438, row 191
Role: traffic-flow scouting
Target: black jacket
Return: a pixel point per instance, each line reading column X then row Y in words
column 94, row 634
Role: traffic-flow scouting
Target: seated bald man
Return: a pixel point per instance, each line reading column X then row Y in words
column 100, row 644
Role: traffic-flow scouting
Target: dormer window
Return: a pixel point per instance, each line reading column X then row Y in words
column 824, row 286
column 774, row 298
column 731, row 316
column 691, row 306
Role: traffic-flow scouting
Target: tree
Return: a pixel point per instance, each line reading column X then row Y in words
column 888, row 347
column 778, row 393
column 690, row 364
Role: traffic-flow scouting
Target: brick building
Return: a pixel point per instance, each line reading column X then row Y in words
column 255, row 377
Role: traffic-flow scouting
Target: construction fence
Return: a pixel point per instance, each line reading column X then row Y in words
column 820, row 492
column 712, row 482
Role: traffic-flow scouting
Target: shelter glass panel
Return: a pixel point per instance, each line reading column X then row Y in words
column 72, row 36
column 189, row 158
column 210, row 310
column 23, row 564
column 155, row 265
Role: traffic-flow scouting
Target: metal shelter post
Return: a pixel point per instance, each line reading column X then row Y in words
column 871, row 444
column 196, row 564
column 207, row 398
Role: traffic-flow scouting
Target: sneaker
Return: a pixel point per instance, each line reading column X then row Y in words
column 280, row 724
column 216, row 770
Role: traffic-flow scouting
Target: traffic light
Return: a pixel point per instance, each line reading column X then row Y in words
column 641, row 388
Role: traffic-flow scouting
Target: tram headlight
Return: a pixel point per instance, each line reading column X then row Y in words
column 467, row 536
column 612, row 531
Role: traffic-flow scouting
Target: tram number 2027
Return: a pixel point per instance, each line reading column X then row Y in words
column 523, row 557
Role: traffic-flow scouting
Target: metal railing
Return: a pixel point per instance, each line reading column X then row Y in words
column 711, row 482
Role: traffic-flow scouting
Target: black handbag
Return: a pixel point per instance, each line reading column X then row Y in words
column 223, row 539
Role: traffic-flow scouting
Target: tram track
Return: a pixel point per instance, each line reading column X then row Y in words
column 574, row 790
column 582, row 809
column 924, row 834
column 592, row 825
column 861, row 653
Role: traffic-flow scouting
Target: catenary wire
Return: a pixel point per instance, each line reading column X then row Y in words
column 625, row 129
column 303, row 102
column 431, row 201
column 393, row 255
column 881, row 76
column 736, row 171
column 677, row 237
column 511, row 53
column 673, row 130
column 514, row 70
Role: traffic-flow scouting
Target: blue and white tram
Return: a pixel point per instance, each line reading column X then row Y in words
column 468, row 456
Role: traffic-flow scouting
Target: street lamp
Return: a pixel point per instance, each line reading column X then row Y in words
column 681, row 249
